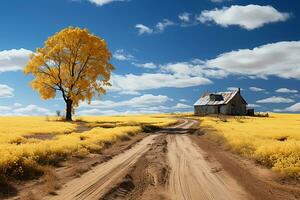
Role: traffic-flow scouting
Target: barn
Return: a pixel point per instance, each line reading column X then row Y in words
column 227, row 103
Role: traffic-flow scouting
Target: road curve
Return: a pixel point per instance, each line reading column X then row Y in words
column 192, row 177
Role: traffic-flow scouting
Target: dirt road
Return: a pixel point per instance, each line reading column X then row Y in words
column 94, row 184
column 165, row 165
column 193, row 178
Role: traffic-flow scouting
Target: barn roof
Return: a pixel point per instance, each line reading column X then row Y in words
column 219, row 98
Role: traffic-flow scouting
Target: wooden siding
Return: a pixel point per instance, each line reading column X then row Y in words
column 236, row 106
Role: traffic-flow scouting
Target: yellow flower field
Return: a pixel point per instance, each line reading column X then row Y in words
column 272, row 141
column 157, row 120
column 13, row 128
column 26, row 156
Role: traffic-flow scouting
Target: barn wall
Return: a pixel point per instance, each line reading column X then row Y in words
column 235, row 107
column 225, row 110
column 204, row 110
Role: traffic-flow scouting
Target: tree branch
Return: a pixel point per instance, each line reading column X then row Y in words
column 75, row 57
column 80, row 71
column 50, row 86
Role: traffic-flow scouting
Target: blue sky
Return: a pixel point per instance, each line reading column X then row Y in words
column 166, row 53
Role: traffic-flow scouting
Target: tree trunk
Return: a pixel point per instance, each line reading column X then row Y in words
column 69, row 110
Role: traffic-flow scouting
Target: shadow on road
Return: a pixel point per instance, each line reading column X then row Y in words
column 191, row 131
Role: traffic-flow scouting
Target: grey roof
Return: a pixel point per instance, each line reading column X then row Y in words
column 225, row 98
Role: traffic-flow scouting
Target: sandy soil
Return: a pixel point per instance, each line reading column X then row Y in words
column 193, row 178
column 176, row 168
column 147, row 178
column 94, row 183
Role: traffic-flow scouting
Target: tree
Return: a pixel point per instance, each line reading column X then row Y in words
column 73, row 62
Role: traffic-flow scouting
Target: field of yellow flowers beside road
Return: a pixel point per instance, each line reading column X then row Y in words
column 273, row 141
column 23, row 154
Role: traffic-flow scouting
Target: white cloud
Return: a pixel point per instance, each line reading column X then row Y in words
column 14, row 59
column 183, row 100
column 88, row 112
column 142, row 29
column 279, row 59
column 32, row 110
column 103, row 2
column 17, row 110
column 292, row 108
column 185, row 17
column 120, row 54
column 147, row 103
column 195, row 67
column 148, row 81
column 161, row 26
column 286, row 90
column 4, row 109
column 253, row 105
column 248, row 17
column 182, row 106
column 275, row 99
column 176, row 75
column 6, row 91
column 17, row 105
column 233, row 88
column 130, row 92
column 95, row 111
column 256, row 89
column 149, row 65
column 143, row 101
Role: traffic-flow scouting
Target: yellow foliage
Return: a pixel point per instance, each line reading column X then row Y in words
column 273, row 141
column 73, row 62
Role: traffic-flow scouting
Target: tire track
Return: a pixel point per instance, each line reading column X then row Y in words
column 93, row 184
column 97, row 182
column 193, row 178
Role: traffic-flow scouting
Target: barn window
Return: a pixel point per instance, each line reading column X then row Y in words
column 216, row 97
